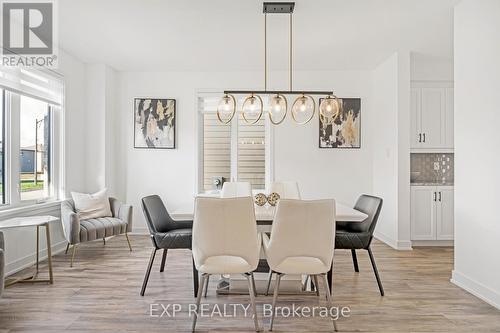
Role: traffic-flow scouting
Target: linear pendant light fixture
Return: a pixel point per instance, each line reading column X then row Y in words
column 304, row 106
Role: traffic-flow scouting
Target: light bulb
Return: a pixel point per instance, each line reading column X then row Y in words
column 330, row 108
column 278, row 109
column 252, row 106
column 226, row 109
column 303, row 109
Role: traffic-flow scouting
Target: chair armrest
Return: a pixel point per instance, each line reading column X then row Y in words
column 273, row 258
column 182, row 225
column 122, row 211
column 70, row 222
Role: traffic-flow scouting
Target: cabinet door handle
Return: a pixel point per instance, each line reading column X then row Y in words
column 419, row 137
column 424, row 137
column 435, row 196
column 439, row 196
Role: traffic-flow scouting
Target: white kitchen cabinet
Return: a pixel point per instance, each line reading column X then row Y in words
column 423, row 213
column 431, row 107
column 432, row 213
column 445, row 213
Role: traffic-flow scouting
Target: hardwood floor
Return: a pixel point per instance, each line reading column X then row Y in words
column 101, row 293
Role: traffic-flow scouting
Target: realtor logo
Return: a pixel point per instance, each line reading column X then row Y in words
column 28, row 33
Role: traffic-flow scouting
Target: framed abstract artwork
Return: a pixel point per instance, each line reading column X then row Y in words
column 154, row 123
column 345, row 130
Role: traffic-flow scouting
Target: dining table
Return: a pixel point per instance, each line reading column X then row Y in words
column 264, row 215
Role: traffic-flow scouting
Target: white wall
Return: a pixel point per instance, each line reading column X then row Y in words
column 427, row 68
column 391, row 170
column 101, row 145
column 477, row 138
column 342, row 174
column 385, row 152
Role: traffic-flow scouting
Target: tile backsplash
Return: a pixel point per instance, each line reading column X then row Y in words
column 432, row 168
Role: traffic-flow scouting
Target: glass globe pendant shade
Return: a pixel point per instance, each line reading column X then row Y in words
column 330, row 108
column 303, row 109
column 252, row 109
column 226, row 109
column 278, row 108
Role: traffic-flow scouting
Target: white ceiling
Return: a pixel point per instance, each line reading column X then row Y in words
column 202, row 35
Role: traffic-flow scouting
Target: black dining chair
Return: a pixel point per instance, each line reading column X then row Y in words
column 358, row 235
column 166, row 234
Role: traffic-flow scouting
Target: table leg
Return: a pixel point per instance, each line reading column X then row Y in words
column 49, row 253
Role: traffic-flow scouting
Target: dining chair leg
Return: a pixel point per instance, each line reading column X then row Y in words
column 163, row 260
column 73, row 255
column 206, row 285
column 195, row 279
column 355, row 260
column 329, row 299
column 316, row 285
column 375, row 270
column 148, row 271
column 269, row 281
column 198, row 300
column 253, row 293
column 104, row 240
column 67, row 248
column 252, row 278
column 330, row 278
column 275, row 297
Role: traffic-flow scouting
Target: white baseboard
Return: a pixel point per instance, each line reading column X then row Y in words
column 139, row 231
column 395, row 244
column 475, row 288
column 30, row 259
column 424, row 243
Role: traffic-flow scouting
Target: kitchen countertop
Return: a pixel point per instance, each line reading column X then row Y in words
column 431, row 184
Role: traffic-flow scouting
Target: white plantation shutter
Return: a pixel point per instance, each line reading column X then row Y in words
column 34, row 83
column 234, row 151
column 251, row 153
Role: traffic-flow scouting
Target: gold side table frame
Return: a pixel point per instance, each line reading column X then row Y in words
column 34, row 277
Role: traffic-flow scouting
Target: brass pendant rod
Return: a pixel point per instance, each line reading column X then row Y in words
column 265, row 51
column 291, row 48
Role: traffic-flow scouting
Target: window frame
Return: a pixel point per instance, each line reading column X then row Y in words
column 3, row 146
column 269, row 143
column 11, row 147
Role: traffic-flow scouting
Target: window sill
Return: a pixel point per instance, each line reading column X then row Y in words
column 8, row 212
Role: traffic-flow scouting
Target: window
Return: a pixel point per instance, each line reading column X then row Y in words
column 236, row 151
column 34, row 163
column 30, row 122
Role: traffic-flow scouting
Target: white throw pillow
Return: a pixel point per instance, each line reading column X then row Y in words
column 89, row 206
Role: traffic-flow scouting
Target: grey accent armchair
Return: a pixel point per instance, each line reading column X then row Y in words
column 2, row 262
column 78, row 231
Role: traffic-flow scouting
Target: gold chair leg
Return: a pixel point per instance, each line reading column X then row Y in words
column 73, row 255
column 128, row 241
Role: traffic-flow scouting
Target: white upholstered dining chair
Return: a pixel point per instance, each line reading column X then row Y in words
column 225, row 241
column 286, row 189
column 302, row 242
column 236, row 190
